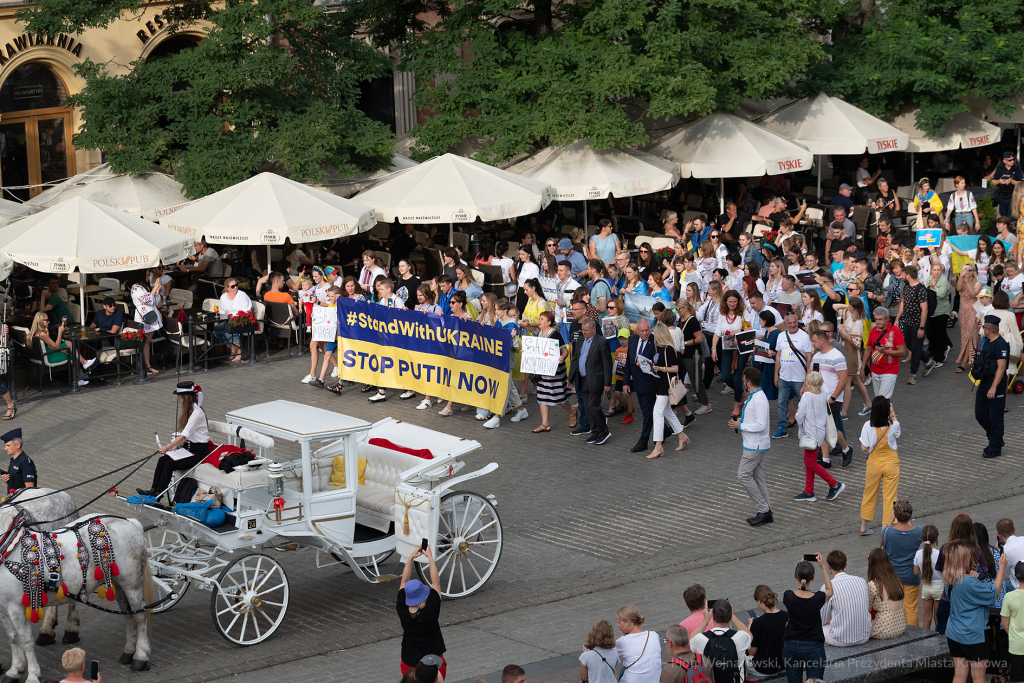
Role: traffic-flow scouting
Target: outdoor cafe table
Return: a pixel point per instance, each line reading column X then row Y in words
column 78, row 337
column 206, row 323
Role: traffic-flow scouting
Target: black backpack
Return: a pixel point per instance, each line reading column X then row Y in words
column 933, row 301
column 185, row 489
column 722, row 661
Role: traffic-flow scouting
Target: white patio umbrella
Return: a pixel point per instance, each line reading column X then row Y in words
column 267, row 209
column 828, row 125
column 13, row 211
column 980, row 107
column 578, row 172
column 725, row 146
column 963, row 130
column 150, row 194
column 452, row 189
column 93, row 238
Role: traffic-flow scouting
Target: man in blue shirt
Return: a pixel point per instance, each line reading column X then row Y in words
column 843, row 199
column 990, row 397
column 109, row 320
column 576, row 260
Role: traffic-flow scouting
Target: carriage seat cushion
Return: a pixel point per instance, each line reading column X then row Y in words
column 207, row 475
column 384, row 467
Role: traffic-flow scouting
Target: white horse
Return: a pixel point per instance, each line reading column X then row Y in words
column 50, row 510
column 133, row 589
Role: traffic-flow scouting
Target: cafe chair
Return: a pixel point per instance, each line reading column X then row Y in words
column 694, row 201
column 812, row 214
column 109, row 285
column 459, row 239
column 38, row 357
column 260, row 309
column 494, row 280
column 178, row 337
column 281, row 323
column 690, row 215
column 210, row 304
column 761, row 229
column 179, row 299
column 379, row 234
column 76, row 313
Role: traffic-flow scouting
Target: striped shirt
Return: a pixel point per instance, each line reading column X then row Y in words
column 830, row 364
column 847, row 611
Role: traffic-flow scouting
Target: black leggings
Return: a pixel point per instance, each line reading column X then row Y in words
column 165, row 465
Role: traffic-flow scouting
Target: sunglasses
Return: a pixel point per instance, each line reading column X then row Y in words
column 714, row 237
column 232, row 286
column 644, row 251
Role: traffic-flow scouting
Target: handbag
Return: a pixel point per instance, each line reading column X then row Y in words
column 676, row 390
column 831, row 433
column 808, row 443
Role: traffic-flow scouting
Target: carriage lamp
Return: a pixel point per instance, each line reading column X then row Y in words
column 275, row 481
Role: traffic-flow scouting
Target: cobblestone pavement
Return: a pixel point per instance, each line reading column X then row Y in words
column 586, row 528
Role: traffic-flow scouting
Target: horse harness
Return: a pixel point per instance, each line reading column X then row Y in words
column 39, row 570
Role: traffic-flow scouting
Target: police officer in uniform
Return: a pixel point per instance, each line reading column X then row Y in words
column 990, row 399
column 21, row 473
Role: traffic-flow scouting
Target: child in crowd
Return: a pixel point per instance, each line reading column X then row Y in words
column 931, row 578
column 329, row 347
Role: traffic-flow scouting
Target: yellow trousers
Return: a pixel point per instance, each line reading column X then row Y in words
column 883, row 471
column 911, row 595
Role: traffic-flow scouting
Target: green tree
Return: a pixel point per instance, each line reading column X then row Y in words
column 273, row 85
column 571, row 69
column 890, row 53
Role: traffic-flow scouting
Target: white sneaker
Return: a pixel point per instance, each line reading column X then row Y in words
column 334, row 372
column 445, row 412
column 521, row 414
column 307, row 379
column 424, row 404
column 82, row 382
column 727, row 390
column 377, row 398
column 703, row 410
column 406, row 395
column 493, row 423
column 89, row 363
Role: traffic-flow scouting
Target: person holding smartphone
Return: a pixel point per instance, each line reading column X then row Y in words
column 419, row 610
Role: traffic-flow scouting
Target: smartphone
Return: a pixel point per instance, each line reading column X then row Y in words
column 711, row 604
column 810, row 557
column 94, row 670
column 752, row 614
column 816, row 367
column 423, row 545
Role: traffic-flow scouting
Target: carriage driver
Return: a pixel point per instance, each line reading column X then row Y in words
column 193, row 436
column 21, row 473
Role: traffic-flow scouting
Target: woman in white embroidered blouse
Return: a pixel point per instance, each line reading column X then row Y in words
column 962, row 205
column 639, row 651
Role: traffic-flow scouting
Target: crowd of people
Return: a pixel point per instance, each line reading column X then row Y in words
column 966, row 588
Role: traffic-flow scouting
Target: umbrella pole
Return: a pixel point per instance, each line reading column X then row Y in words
column 819, row 178
column 721, row 195
column 586, row 223
column 268, row 259
column 451, row 234
column 911, row 170
column 1018, row 143
column 631, row 199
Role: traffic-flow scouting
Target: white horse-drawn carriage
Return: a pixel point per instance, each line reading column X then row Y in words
column 398, row 490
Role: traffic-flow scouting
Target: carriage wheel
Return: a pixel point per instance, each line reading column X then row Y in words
column 155, row 538
column 468, row 544
column 251, row 600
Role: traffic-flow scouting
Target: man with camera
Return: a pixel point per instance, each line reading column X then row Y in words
column 990, row 398
column 419, row 610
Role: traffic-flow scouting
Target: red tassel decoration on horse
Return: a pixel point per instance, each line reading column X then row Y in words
column 114, row 571
column 43, row 600
column 98, row 573
column 34, row 618
column 110, row 593
column 24, row 600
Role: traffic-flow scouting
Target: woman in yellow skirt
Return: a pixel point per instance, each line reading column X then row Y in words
column 878, row 440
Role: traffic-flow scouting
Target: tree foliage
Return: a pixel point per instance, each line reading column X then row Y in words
column 934, row 53
column 569, row 69
column 272, row 85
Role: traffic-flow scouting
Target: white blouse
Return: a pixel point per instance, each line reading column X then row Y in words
column 368, row 275
column 869, row 437
column 641, row 652
column 963, row 203
column 241, row 302
column 196, row 428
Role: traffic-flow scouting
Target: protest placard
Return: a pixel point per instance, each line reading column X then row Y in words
column 539, row 356
column 325, row 323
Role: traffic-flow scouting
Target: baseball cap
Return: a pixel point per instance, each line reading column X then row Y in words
column 844, row 186
column 564, row 243
column 415, row 592
column 427, row 668
column 624, row 333
column 1007, row 155
column 985, row 291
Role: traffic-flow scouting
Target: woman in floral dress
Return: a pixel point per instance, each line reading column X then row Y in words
column 968, row 286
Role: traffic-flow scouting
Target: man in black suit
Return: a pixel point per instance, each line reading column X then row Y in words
column 591, row 374
column 635, row 380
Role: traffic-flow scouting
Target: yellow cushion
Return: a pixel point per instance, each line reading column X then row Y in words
column 338, row 474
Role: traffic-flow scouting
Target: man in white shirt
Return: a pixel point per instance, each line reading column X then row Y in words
column 831, row 363
column 724, row 621
column 563, row 294
column 208, row 263
column 845, row 618
column 757, row 304
column 1013, row 547
column 754, row 424
column 793, row 352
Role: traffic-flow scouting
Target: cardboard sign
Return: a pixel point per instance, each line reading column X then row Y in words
column 539, row 356
column 325, row 323
column 745, row 342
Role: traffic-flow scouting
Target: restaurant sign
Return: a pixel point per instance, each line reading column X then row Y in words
column 27, row 41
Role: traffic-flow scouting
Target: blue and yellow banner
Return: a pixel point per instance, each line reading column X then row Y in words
column 440, row 356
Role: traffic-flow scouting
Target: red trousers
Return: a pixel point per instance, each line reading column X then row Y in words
column 443, row 670
column 811, row 468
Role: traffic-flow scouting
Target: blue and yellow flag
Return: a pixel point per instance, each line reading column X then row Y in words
column 440, row 356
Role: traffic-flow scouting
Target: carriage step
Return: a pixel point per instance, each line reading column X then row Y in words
column 382, row 578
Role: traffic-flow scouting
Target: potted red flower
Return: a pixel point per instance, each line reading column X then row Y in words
column 131, row 338
column 242, row 322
